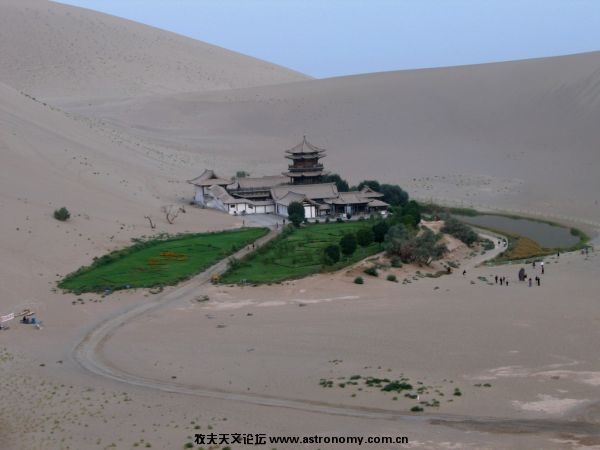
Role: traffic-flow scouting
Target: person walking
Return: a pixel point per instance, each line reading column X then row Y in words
column 529, row 281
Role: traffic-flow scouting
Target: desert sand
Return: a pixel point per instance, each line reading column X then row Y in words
column 109, row 118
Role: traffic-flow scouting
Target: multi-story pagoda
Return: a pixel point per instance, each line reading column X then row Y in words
column 305, row 167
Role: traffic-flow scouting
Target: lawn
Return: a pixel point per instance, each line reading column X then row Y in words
column 298, row 254
column 159, row 262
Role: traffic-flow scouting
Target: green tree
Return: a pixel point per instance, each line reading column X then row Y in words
column 340, row 183
column 364, row 237
column 331, row 254
column 412, row 209
column 459, row 230
column 373, row 184
column 393, row 194
column 412, row 247
column 379, row 231
column 395, row 238
column 241, row 174
column 348, row 244
column 296, row 213
column 427, row 248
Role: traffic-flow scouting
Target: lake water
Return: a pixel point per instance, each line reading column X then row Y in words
column 544, row 234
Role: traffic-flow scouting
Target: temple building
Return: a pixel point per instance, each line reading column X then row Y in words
column 305, row 167
column 303, row 182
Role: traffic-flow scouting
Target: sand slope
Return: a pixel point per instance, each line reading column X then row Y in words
column 513, row 135
column 50, row 160
column 51, row 50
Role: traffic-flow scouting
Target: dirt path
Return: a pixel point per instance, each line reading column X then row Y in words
column 89, row 354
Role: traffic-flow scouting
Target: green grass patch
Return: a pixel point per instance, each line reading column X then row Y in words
column 298, row 254
column 161, row 261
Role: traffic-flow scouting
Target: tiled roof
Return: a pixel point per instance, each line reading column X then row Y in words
column 312, row 191
column 305, row 147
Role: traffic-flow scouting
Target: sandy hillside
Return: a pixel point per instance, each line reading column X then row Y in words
column 50, row 160
column 514, row 135
column 50, row 50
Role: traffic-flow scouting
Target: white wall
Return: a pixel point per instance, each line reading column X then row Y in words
column 310, row 211
column 199, row 196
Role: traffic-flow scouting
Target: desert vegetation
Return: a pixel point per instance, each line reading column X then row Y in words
column 401, row 389
column 161, row 261
column 303, row 251
column 62, row 214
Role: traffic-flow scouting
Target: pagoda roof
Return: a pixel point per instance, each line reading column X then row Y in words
column 310, row 191
column 221, row 194
column 304, row 148
column 209, row 178
column 366, row 191
column 305, row 174
column 376, row 203
column 266, row 182
column 349, row 198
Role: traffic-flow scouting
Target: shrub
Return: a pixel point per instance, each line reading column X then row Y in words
column 62, row 214
column 348, row 244
column 416, row 409
column 379, row 231
column 392, row 277
column 241, row 174
column 296, row 213
column 410, row 247
column 371, row 271
column 331, row 254
column 339, row 220
column 348, row 216
column 364, row 237
column 395, row 261
column 487, row 244
column 359, row 280
column 459, row 230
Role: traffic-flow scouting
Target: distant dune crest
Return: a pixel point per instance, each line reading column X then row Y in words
column 54, row 51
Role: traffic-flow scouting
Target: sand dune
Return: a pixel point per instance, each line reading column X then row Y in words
column 514, row 135
column 50, row 160
column 50, row 50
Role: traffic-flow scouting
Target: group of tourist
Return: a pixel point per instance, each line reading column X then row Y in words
column 523, row 277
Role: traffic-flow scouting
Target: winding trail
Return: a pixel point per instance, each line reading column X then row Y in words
column 88, row 353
